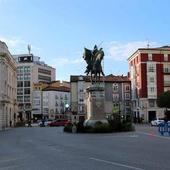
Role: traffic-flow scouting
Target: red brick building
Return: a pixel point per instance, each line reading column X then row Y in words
column 149, row 70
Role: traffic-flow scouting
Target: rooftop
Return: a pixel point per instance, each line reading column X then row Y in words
column 108, row 78
column 59, row 88
column 162, row 48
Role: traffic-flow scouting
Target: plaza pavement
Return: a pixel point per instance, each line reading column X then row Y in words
column 48, row 148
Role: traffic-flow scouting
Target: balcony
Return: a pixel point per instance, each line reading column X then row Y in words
column 152, row 96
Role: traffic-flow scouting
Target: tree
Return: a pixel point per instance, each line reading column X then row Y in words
column 163, row 101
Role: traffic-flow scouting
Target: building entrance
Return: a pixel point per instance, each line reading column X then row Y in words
column 151, row 115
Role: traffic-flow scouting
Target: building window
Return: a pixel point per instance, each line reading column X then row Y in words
column 43, row 71
column 66, row 98
column 26, row 83
column 56, row 111
column 27, row 69
column 56, row 97
column 19, row 84
column 20, row 91
column 20, row 77
column 27, row 77
column 152, row 80
column 166, row 68
column 127, row 87
column 152, row 89
column 61, row 104
column 80, row 108
column 165, row 57
column 151, row 68
column 27, row 91
column 81, row 90
column 127, row 96
column 20, row 99
column 81, row 100
column 44, row 78
column 115, row 87
column 115, row 97
column 151, row 103
column 26, row 98
column 20, row 70
column 150, row 57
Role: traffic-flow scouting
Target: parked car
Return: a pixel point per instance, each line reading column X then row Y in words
column 59, row 123
column 45, row 122
column 157, row 121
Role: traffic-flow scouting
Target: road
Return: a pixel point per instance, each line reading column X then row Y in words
column 51, row 149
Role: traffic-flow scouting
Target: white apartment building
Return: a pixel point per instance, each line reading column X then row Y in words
column 8, row 88
column 56, row 101
column 30, row 70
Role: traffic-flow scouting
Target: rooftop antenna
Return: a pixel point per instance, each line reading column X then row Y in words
column 29, row 49
column 148, row 45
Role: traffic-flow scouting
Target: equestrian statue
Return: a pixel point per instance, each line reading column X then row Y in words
column 93, row 59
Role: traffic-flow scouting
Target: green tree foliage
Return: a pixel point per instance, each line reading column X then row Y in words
column 163, row 100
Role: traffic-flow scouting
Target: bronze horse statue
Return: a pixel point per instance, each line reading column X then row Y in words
column 93, row 60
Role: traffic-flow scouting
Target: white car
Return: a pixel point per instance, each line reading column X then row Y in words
column 46, row 122
column 157, row 121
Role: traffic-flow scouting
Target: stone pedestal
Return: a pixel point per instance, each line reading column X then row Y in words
column 95, row 105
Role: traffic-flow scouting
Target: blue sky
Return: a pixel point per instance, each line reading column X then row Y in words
column 58, row 30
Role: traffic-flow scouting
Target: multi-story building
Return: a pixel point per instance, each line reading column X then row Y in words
column 117, row 94
column 56, row 100
column 30, row 70
column 50, row 99
column 8, row 88
column 150, row 76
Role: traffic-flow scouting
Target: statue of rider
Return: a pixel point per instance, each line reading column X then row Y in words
column 91, row 56
column 94, row 52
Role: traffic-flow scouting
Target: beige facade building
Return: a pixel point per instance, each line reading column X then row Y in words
column 30, row 70
column 8, row 88
column 117, row 94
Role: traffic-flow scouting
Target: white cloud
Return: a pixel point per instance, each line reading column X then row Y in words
column 15, row 44
column 121, row 51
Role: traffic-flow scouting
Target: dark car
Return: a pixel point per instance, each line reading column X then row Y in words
column 59, row 123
